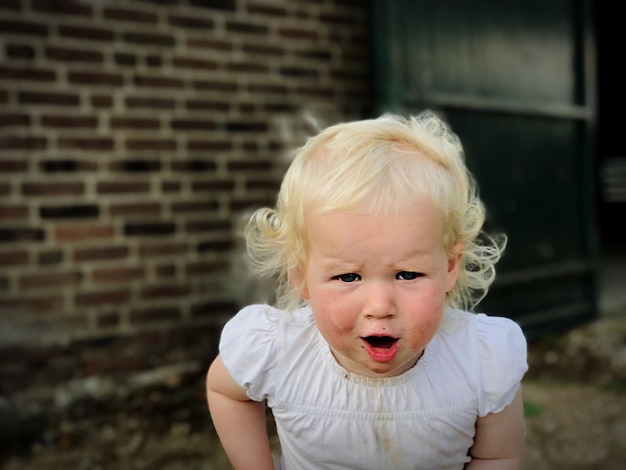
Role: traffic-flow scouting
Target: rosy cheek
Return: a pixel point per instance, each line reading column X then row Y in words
column 336, row 315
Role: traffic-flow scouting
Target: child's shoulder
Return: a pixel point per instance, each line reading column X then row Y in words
column 260, row 319
column 488, row 335
column 457, row 321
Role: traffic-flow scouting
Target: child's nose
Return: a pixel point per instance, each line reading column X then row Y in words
column 379, row 301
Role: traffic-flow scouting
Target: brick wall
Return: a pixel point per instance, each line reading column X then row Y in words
column 132, row 133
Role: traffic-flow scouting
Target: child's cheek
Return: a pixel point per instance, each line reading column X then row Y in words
column 336, row 314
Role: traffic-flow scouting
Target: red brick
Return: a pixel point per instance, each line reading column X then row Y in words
column 189, row 63
column 118, row 275
column 69, row 122
column 166, row 187
column 213, row 185
column 151, row 144
column 101, row 253
column 67, row 166
column 108, row 320
column 248, row 165
column 48, row 98
column 61, row 7
column 135, row 208
column 13, row 212
column 268, row 88
column 215, row 44
column 192, row 22
column 164, row 291
column 158, row 82
column 255, row 184
column 154, row 60
column 262, row 49
column 26, row 74
column 215, row 245
column 206, row 267
column 267, row 10
column 50, row 257
column 53, row 189
column 197, row 226
column 247, row 67
column 48, row 280
column 21, row 234
column 134, row 123
column 66, row 54
column 165, row 271
column 99, row 144
column 162, row 249
column 209, row 145
column 135, row 165
column 212, row 85
column 245, row 27
column 213, row 308
column 20, row 51
column 88, row 32
column 83, row 232
column 13, row 258
column 150, row 103
column 316, row 91
column 14, row 119
column 237, row 204
column 192, row 125
column 98, row 298
column 154, row 314
column 195, row 165
column 23, row 143
column 300, row 33
column 13, row 166
column 207, row 105
column 337, row 19
column 95, row 78
column 122, row 187
column 27, row 28
column 131, row 15
column 24, row 304
column 183, row 207
column 124, row 59
column 150, row 39
column 101, row 101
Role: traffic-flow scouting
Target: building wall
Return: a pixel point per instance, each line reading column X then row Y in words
column 132, row 135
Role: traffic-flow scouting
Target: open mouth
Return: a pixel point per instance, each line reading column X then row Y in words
column 380, row 341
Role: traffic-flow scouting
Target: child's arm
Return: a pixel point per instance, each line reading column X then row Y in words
column 499, row 441
column 240, row 422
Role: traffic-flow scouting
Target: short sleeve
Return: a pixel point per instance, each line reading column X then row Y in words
column 502, row 351
column 248, row 349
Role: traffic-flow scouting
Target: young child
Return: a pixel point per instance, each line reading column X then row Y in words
column 370, row 362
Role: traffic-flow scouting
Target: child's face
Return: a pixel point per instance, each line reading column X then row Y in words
column 378, row 276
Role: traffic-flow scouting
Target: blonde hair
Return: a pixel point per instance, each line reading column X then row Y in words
column 385, row 163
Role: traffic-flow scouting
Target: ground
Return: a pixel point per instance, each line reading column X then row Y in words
column 574, row 396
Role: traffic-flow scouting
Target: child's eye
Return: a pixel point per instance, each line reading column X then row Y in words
column 349, row 277
column 407, row 275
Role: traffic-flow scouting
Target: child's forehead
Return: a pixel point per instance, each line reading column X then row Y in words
column 415, row 207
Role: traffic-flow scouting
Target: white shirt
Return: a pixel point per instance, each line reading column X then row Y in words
column 330, row 418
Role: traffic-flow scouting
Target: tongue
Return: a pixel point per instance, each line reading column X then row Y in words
column 379, row 350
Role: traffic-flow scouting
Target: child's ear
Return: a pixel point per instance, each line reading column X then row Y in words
column 298, row 282
column 454, row 265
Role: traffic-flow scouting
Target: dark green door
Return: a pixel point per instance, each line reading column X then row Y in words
column 516, row 81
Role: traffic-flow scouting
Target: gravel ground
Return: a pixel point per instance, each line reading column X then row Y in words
column 574, row 394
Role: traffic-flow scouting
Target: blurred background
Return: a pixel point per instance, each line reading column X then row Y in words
column 135, row 135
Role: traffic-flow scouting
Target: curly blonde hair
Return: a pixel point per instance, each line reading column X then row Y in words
column 382, row 163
